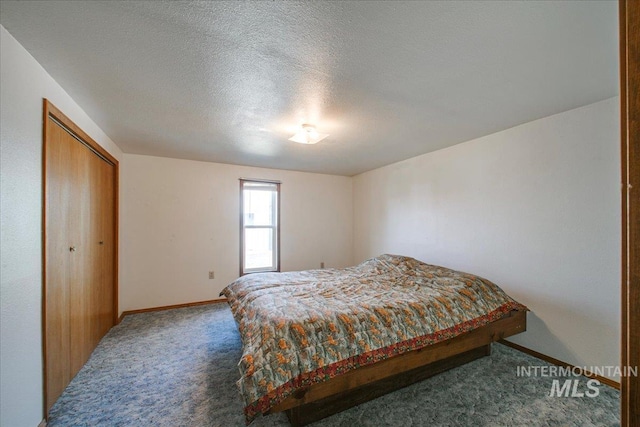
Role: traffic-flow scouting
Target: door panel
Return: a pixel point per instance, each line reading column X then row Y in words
column 102, row 247
column 107, row 247
column 59, row 196
column 79, row 210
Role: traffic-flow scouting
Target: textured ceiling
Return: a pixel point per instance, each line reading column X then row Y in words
column 229, row 81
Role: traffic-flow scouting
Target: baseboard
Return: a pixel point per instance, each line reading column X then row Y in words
column 603, row 380
column 169, row 307
column 43, row 423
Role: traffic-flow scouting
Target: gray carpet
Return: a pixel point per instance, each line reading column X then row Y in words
column 178, row 368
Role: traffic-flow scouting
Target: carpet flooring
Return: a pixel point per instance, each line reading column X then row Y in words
column 178, row 368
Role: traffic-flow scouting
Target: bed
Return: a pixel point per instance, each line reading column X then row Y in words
column 317, row 342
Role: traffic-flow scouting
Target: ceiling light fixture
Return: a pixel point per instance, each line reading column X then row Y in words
column 308, row 135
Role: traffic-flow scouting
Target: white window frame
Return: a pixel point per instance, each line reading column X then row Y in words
column 275, row 265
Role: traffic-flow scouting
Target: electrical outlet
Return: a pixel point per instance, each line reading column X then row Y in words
column 212, row 275
column 322, row 265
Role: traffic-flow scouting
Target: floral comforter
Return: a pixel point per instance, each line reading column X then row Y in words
column 306, row 327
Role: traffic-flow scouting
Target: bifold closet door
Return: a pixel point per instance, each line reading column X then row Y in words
column 102, row 244
column 80, row 239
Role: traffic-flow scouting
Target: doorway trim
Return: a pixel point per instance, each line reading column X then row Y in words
column 629, row 17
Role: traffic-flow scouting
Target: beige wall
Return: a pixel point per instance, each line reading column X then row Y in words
column 180, row 219
column 535, row 208
column 23, row 84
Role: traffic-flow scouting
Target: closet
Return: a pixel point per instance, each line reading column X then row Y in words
column 80, row 249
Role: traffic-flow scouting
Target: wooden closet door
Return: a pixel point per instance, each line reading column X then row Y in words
column 80, row 267
column 80, row 262
column 103, row 247
column 60, row 215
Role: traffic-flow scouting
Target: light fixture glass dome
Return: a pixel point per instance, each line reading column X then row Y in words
column 308, row 135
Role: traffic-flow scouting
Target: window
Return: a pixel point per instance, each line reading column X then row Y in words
column 259, row 226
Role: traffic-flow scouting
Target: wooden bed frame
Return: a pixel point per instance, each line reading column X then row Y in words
column 368, row 382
